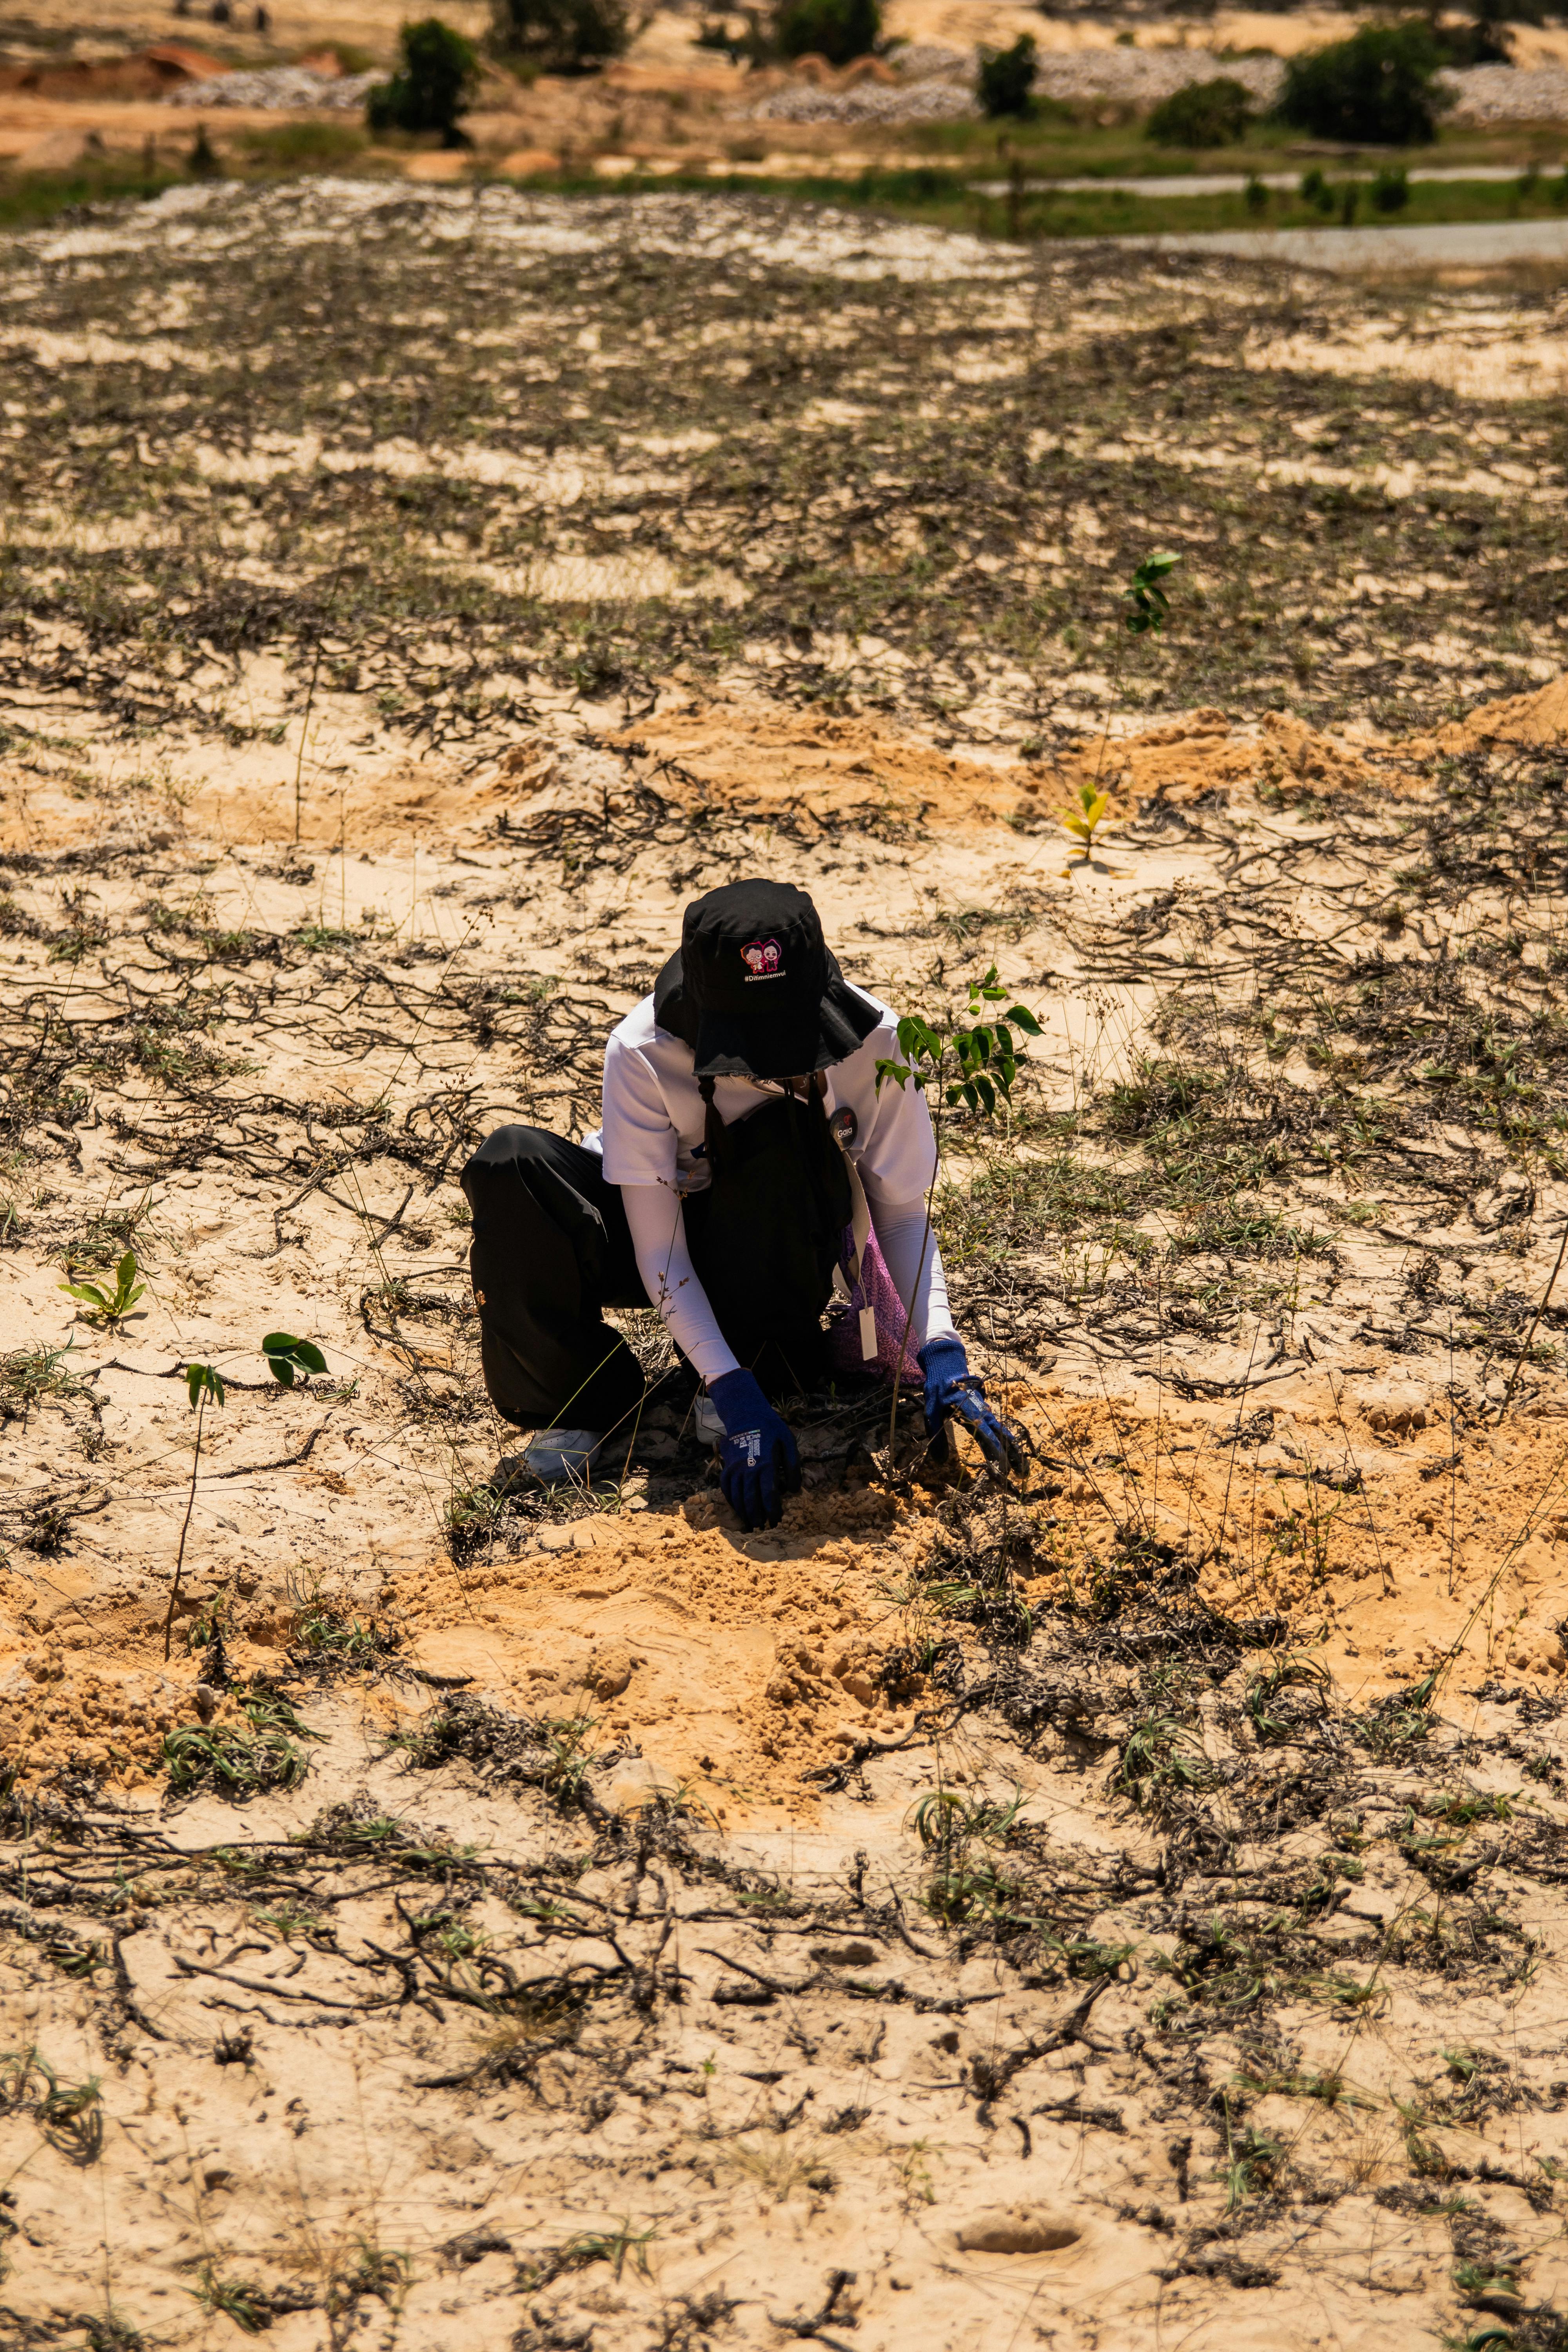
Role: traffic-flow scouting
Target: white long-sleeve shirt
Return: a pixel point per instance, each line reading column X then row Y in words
column 651, row 1139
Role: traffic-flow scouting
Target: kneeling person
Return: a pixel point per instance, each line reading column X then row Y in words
column 741, row 1120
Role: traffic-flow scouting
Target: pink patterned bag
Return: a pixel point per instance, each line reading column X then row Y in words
column 875, row 1289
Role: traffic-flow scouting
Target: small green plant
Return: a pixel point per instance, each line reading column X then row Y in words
column 1089, row 812
column 961, row 1066
column 1160, row 1755
column 1390, row 189
column 1149, row 606
column 1148, row 599
column 372, row 2272
column 237, row 2299
column 1256, row 196
column 29, row 1375
column 240, row 1760
column 435, row 82
column 1269, row 1723
column 566, row 1739
column 70, row 2114
column 101, row 1306
column 964, row 1884
column 288, row 1358
column 1477, row 2283
column 201, row 1382
column 616, row 2247
column 1252, row 2162
column 1203, row 114
column 1006, row 80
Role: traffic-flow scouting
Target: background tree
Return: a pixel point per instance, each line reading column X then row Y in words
column 838, row 30
column 1006, row 80
column 1378, row 88
column 434, row 84
column 565, row 37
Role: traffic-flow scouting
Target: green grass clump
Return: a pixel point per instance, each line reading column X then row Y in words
column 240, row 1761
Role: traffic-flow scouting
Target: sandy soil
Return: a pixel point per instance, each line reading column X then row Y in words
column 1120, row 1910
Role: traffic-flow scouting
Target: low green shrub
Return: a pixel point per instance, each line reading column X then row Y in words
column 1203, row 114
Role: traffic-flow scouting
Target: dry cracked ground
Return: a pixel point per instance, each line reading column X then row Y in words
column 1121, row 1910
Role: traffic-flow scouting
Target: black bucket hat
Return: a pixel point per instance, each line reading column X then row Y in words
column 754, row 989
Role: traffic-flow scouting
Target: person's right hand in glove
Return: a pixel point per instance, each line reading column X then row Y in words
column 758, row 1463
column 953, row 1393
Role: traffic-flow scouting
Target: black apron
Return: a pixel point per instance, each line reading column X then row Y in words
column 766, row 1236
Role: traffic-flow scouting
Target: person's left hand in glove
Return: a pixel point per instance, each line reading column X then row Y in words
column 758, row 1463
column 953, row 1393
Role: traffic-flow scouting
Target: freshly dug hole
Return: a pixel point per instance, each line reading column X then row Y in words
column 1017, row 2230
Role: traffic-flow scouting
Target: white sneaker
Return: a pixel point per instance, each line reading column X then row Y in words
column 706, row 1422
column 559, row 1455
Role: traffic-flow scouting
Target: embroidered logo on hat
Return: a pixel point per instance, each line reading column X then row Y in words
column 761, row 960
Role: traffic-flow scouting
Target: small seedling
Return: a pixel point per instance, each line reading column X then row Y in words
column 237, row 2299
column 201, row 1382
column 1089, row 812
column 101, row 1306
column 1149, row 601
column 968, row 1066
column 1149, row 606
column 288, row 1358
column 69, row 2115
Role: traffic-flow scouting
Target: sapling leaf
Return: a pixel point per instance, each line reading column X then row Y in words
column 202, row 1379
column 285, row 1356
column 1022, row 1018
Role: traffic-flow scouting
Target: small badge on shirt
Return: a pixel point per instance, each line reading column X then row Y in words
column 846, row 1126
column 763, row 960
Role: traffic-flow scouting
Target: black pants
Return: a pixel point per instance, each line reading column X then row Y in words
column 552, row 1249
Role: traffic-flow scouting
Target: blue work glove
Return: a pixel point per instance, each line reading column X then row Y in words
column 758, row 1464
column 954, row 1393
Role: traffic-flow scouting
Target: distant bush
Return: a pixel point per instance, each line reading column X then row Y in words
column 564, row 36
column 433, row 85
column 1378, row 88
column 1203, row 114
column 302, row 143
column 1007, row 78
column 838, row 30
column 1390, row 189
